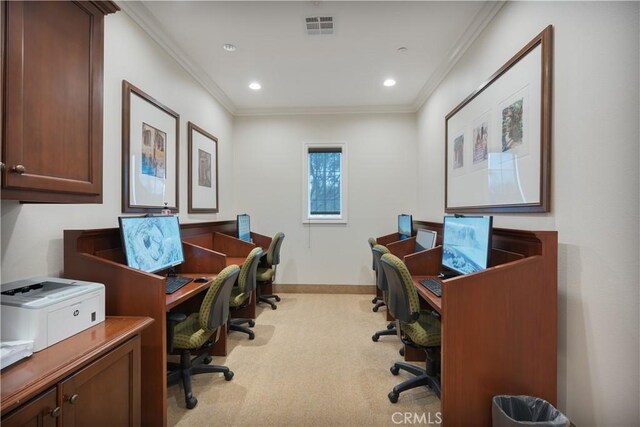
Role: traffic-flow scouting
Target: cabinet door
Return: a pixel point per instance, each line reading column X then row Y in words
column 53, row 101
column 105, row 393
column 39, row 412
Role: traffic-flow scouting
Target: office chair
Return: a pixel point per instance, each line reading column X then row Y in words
column 241, row 294
column 381, row 283
column 196, row 331
column 419, row 328
column 267, row 273
column 372, row 243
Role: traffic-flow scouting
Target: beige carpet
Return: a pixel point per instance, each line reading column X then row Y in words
column 312, row 363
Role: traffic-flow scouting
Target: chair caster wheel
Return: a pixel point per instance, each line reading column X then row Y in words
column 278, row 298
column 228, row 376
column 207, row 360
column 375, row 337
column 395, row 371
column 252, row 336
column 273, row 307
column 191, row 402
column 252, row 323
column 391, row 326
column 393, row 397
column 375, row 309
column 374, row 300
column 401, row 351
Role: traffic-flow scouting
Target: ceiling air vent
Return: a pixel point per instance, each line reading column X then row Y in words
column 319, row 25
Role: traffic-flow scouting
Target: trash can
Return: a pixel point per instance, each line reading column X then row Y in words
column 519, row 411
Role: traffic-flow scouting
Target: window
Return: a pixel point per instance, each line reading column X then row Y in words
column 324, row 182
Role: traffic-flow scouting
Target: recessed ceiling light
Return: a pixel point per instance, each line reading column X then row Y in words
column 255, row 86
column 402, row 49
column 389, row 82
column 229, row 47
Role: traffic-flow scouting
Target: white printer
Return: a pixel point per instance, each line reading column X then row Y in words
column 49, row 309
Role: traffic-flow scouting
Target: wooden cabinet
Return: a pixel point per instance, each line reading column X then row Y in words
column 52, row 117
column 42, row 411
column 89, row 379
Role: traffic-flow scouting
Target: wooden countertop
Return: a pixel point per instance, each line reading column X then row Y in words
column 28, row 377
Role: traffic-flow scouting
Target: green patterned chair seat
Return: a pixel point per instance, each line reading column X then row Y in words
column 264, row 274
column 238, row 297
column 425, row 332
column 189, row 334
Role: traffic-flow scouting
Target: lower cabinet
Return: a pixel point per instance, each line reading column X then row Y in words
column 104, row 393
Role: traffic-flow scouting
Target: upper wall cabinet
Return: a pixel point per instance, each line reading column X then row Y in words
column 52, row 118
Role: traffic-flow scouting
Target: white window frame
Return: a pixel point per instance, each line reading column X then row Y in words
column 324, row 219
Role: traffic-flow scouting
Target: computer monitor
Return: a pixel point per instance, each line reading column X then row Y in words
column 466, row 243
column 151, row 243
column 405, row 226
column 425, row 239
column 243, row 223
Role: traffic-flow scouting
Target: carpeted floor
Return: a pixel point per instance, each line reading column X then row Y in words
column 312, row 363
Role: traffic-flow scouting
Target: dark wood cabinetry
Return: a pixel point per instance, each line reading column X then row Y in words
column 92, row 379
column 52, row 112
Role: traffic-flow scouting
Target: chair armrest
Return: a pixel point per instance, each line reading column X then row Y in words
column 172, row 320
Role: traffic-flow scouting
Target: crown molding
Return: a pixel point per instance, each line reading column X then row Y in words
column 137, row 11
column 358, row 109
column 479, row 23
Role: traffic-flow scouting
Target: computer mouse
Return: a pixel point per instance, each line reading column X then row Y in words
column 201, row 279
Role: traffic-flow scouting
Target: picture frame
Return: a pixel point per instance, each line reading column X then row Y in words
column 203, row 170
column 498, row 139
column 150, row 153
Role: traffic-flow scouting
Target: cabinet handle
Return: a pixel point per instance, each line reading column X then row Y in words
column 73, row 398
column 55, row 412
column 19, row 169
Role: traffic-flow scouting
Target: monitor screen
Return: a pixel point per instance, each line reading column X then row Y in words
column 425, row 239
column 466, row 243
column 151, row 243
column 243, row 222
column 405, row 226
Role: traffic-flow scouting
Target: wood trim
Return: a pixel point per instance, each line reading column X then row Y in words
column 325, row 289
column 191, row 127
column 106, row 7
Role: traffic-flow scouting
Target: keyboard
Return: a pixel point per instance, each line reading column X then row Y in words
column 433, row 285
column 176, row 282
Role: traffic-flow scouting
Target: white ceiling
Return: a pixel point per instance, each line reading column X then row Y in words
column 324, row 73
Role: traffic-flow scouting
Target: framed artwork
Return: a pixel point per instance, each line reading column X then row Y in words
column 150, row 137
column 203, row 170
column 498, row 140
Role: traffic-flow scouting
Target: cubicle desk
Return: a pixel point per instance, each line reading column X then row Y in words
column 83, row 364
column 499, row 325
column 96, row 255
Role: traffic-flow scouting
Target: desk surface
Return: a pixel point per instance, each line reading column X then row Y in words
column 190, row 289
column 26, row 378
column 237, row 260
column 434, row 301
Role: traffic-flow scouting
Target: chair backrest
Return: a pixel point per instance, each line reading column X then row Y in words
column 214, row 310
column 247, row 278
column 273, row 254
column 403, row 302
column 372, row 243
column 381, row 278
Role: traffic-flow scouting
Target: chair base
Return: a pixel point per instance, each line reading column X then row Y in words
column 236, row 325
column 189, row 367
column 383, row 332
column 378, row 305
column 429, row 377
column 267, row 299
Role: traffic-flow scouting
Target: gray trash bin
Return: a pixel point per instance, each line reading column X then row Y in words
column 519, row 411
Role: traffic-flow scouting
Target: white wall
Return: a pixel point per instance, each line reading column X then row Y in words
column 268, row 164
column 595, row 203
column 32, row 233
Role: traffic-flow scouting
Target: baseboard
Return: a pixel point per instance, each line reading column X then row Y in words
column 324, row 289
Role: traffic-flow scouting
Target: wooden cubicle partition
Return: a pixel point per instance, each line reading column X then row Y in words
column 499, row 325
column 96, row 255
